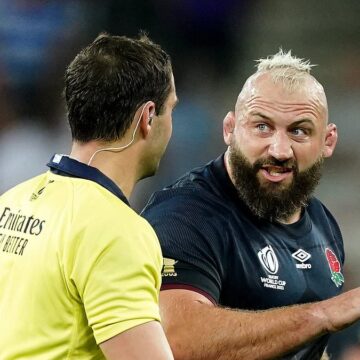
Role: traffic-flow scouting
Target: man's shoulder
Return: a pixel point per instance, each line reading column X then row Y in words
column 320, row 214
column 25, row 195
column 196, row 188
column 314, row 201
column 22, row 187
column 200, row 178
column 97, row 213
column 318, row 210
column 95, row 203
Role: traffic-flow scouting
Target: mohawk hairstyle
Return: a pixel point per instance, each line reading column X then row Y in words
column 285, row 67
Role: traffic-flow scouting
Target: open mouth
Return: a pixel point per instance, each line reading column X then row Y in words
column 276, row 173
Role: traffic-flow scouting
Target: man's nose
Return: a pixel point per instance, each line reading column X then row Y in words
column 281, row 147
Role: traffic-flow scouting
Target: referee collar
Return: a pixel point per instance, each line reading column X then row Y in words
column 63, row 165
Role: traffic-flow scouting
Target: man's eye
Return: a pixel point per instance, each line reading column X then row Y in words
column 299, row 132
column 262, row 127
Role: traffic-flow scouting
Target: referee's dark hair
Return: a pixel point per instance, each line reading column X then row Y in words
column 107, row 82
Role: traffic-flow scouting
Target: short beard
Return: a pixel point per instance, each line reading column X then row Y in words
column 273, row 201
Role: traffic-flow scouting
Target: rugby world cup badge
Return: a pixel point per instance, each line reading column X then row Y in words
column 270, row 263
column 268, row 259
column 334, row 264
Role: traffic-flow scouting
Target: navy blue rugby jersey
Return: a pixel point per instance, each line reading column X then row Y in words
column 214, row 245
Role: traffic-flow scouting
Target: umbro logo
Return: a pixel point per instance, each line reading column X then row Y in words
column 302, row 256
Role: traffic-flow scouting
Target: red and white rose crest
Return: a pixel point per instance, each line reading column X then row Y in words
column 335, row 267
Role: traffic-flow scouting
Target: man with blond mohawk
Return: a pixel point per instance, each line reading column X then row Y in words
column 253, row 263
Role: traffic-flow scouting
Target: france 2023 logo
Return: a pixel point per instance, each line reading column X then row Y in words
column 335, row 267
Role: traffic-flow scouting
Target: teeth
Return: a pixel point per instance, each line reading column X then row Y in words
column 274, row 173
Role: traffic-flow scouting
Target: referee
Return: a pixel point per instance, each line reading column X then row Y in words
column 79, row 269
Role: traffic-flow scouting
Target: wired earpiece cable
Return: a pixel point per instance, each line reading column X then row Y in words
column 121, row 148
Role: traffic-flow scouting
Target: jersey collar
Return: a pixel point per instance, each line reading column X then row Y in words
column 224, row 179
column 63, row 165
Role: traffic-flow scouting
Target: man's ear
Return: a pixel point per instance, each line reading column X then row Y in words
column 147, row 118
column 228, row 126
column 330, row 140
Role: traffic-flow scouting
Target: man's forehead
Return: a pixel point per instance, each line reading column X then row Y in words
column 262, row 86
column 261, row 82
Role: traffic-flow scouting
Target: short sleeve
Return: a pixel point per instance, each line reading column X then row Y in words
column 336, row 233
column 116, row 271
column 192, row 243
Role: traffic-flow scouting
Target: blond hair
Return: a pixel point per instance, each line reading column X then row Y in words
column 286, row 68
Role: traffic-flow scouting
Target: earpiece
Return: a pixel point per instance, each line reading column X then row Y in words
column 121, row 148
column 151, row 115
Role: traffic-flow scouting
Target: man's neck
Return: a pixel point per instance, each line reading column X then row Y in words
column 120, row 168
column 291, row 219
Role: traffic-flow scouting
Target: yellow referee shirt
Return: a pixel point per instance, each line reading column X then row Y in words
column 77, row 265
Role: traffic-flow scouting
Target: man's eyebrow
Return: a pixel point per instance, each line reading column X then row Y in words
column 295, row 123
column 257, row 113
column 300, row 121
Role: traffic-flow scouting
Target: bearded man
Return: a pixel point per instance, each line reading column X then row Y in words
column 253, row 262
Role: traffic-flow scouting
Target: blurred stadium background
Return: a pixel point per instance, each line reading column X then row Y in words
column 213, row 44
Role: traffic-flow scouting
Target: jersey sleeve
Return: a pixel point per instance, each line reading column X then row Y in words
column 116, row 272
column 336, row 233
column 191, row 242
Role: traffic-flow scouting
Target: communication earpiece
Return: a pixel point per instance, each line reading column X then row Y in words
column 121, row 148
column 151, row 118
